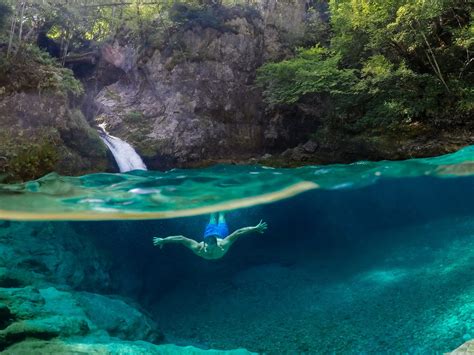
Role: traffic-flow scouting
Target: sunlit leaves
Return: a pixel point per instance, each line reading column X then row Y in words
column 313, row 71
column 408, row 59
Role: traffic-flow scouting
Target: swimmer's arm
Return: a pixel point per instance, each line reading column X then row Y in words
column 178, row 239
column 259, row 228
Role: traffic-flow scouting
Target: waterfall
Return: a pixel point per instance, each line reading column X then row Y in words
column 126, row 157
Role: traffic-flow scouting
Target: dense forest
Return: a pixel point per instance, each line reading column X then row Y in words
column 47, row 33
column 385, row 63
column 367, row 68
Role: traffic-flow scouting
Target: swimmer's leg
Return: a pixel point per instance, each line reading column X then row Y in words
column 221, row 217
column 223, row 229
column 212, row 219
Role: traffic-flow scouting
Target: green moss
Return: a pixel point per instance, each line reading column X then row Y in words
column 110, row 94
column 34, row 70
column 82, row 137
column 82, row 150
column 27, row 156
column 133, row 116
column 70, row 146
column 188, row 16
column 149, row 148
column 179, row 56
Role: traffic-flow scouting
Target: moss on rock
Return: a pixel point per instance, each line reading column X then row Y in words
column 40, row 134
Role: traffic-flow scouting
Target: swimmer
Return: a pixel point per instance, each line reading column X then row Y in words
column 216, row 241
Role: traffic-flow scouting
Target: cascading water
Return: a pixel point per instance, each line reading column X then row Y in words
column 126, row 157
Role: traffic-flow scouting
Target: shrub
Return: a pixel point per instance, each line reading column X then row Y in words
column 33, row 69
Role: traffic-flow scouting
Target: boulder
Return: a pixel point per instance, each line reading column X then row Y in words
column 118, row 318
column 465, row 349
column 48, row 313
column 42, row 254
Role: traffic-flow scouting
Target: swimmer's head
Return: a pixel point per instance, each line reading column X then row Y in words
column 210, row 240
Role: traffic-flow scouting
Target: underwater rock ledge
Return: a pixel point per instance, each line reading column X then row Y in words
column 466, row 348
column 110, row 347
column 58, row 296
column 50, row 321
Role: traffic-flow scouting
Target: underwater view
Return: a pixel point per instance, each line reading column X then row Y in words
column 359, row 258
column 186, row 177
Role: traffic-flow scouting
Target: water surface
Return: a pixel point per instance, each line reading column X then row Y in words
column 361, row 258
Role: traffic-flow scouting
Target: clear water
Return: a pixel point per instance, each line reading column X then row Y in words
column 179, row 193
column 360, row 258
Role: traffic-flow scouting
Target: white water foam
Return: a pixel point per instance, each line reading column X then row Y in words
column 126, row 157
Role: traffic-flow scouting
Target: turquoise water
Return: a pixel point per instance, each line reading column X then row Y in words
column 178, row 193
column 360, row 258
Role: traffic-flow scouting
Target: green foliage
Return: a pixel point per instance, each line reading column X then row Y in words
column 388, row 62
column 312, row 70
column 33, row 69
column 79, row 135
column 195, row 15
column 134, row 116
column 24, row 156
column 189, row 15
column 392, row 93
column 316, row 29
column 5, row 12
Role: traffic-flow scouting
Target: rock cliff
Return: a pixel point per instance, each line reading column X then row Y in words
column 191, row 100
column 40, row 133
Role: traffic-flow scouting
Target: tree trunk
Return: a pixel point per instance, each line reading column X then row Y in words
column 66, row 48
column 435, row 65
column 20, row 32
column 12, row 32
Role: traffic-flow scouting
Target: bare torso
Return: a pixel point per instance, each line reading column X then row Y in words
column 211, row 252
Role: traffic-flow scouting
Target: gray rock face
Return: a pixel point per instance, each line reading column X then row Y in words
column 193, row 100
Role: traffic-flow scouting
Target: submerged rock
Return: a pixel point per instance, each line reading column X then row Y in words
column 110, row 346
column 118, row 318
column 44, row 254
column 466, row 348
column 49, row 313
column 41, row 265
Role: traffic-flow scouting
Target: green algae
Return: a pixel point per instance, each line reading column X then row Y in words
column 177, row 193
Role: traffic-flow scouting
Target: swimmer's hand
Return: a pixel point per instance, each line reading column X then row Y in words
column 261, row 227
column 158, row 242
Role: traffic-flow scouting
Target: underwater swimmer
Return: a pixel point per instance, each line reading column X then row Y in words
column 217, row 240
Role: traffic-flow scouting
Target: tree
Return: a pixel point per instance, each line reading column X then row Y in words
column 409, row 60
column 5, row 11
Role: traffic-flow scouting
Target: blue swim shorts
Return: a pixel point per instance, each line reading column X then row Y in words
column 219, row 230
